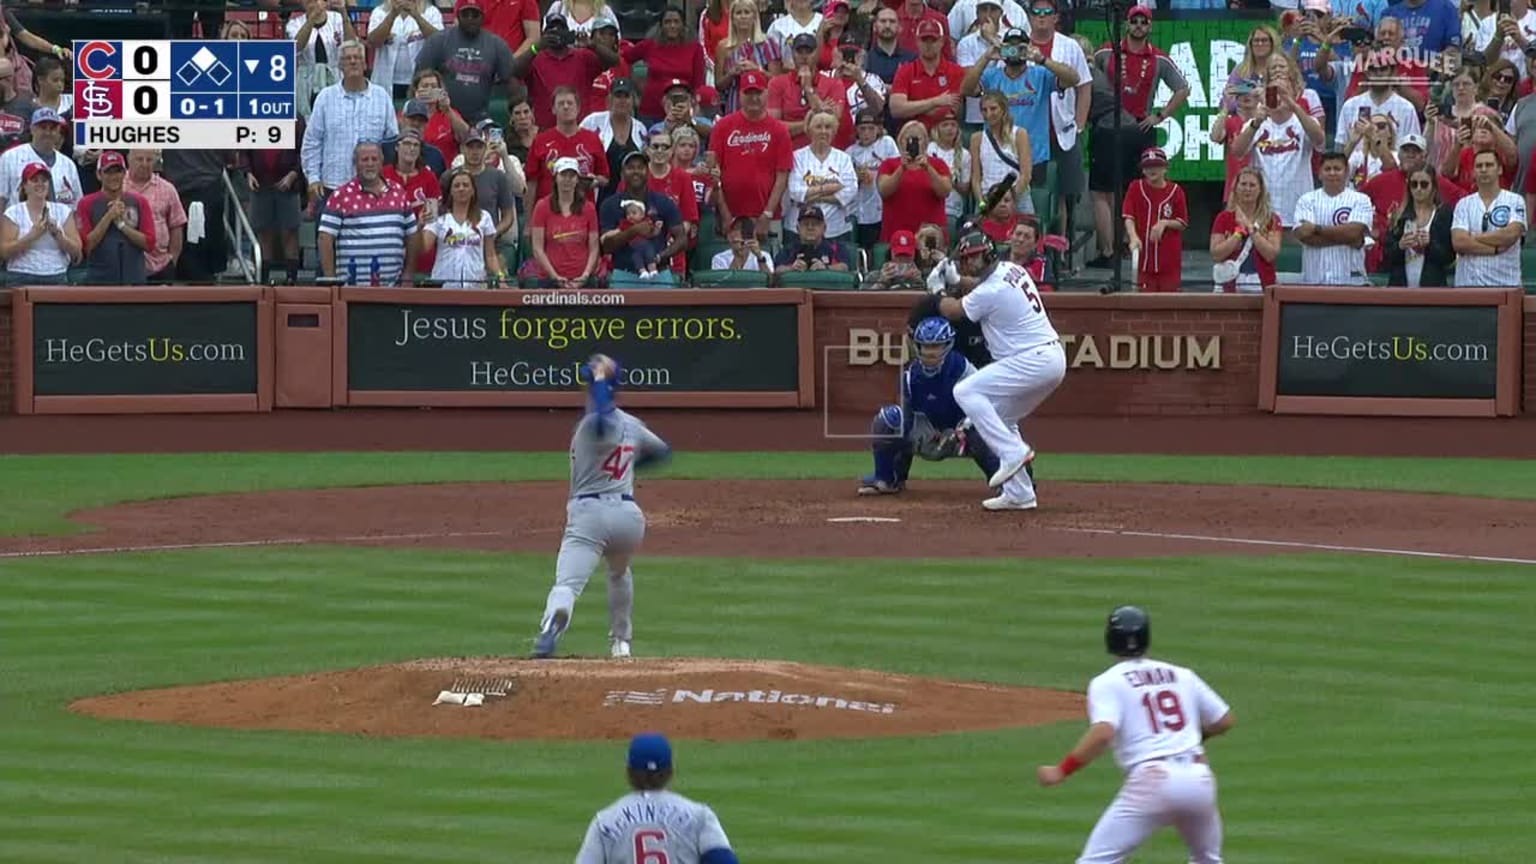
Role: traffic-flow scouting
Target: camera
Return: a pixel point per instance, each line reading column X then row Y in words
column 1011, row 52
column 560, row 38
column 1356, row 35
column 914, row 147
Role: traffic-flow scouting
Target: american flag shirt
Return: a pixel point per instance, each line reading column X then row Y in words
column 371, row 231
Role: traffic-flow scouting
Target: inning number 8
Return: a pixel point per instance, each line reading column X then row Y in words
column 279, row 68
column 1165, row 706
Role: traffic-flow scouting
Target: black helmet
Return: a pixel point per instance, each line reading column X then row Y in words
column 1128, row 632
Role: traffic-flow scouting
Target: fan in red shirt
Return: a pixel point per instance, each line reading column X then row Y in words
column 754, row 155
column 675, row 183
column 421, row 187
column 560, row 62
column 1231, row 126
column 1248, row 232
column 1486, row 133
column 605, row 31
column 1388, row 190
column 793, row 95
column 443, row 123
column 928, row 83
column 913, row 185
column 668, row 57
column 515, row 21
column 1156, row 215
column 567, row 138
column 912, row 15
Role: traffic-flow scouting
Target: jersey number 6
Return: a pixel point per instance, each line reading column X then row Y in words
column 644, row 854
column 1164, row 705
column 617, row 463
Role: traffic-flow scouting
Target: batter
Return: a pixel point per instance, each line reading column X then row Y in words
column 602, row 520
column 1157, row 716
column 1028, row 361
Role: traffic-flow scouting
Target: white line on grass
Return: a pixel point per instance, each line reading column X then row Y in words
column 1296, row 544
column 243, row 544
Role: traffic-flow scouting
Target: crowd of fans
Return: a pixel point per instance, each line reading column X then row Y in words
column 503, row 143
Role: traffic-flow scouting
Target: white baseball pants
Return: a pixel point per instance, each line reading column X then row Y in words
column 1156, row 795
column 1006, row 391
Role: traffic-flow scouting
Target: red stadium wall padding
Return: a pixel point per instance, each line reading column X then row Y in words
column 7, row 360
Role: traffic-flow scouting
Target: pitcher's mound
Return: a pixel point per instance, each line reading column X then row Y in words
column 589, row 699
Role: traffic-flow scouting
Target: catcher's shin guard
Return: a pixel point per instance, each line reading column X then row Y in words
column 893, row 454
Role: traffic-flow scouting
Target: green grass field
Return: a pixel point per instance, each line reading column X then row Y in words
column 1384, row 708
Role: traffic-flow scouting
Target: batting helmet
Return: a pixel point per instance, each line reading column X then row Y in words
column 1128, row 632
column 974, row 242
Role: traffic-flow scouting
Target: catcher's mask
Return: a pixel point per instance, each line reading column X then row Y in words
column 934, row 338
column 974, row 252
column 1128, row 632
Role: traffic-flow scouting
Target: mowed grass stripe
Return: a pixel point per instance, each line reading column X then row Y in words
column 40, row 490
column 1317, row 668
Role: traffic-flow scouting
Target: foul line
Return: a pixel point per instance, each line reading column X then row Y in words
column 1296, row 544
column 245, row 544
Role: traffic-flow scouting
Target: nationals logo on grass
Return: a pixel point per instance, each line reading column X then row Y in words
column 710, row 696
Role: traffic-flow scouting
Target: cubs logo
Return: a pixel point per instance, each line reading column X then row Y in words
column 1341, row 215
column 1498, row 217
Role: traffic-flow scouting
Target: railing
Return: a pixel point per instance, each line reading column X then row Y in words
column 237, row 227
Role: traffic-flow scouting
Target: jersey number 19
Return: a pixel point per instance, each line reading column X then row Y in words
column 1165, row 707
column 617, row 463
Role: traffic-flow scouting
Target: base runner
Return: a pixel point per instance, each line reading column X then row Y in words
column 1157, row 716
column 602, row 520
column 654, row 825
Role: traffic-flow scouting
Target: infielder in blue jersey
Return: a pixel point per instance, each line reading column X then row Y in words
column 928, row 422
column 602, row 520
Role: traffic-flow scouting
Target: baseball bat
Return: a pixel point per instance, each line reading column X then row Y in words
column 996, row 193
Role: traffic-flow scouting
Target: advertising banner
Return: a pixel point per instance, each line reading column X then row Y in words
column 144, row 349
column 402, row 347
column 1426, row 352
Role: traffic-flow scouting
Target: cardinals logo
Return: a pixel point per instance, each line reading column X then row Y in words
column 1167, row 210
column 1270, row 146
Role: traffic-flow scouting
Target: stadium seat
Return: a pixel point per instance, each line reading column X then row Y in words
column 1290, row 258
column 704, row 254
column 821, row 280
column 1528, row 266
column 730, row 279
column 878, row 255
column 1045, row 200
column 707, row 221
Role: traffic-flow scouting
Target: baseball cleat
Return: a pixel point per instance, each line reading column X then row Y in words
column 1006, row 470
column 619, row 648
column 1003, row 502
column 544, row 646
column 871, row 486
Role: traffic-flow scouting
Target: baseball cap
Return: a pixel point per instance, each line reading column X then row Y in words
column 832, row 7
column 1154, row 156
column 46, row 115
column 567, row 163
column 633, row 155
column 604, row 21
column 1139, row 10
column 677, row 84
column 803, row 42
column 109, row 160
column 650, row 752
column 866, row 116
column 903, row 243
column 1412, row 141
column 556, row 22
column 473, row 136
column 981, row 3
column 752, row 79
column 416, row 108
column 621, row 85
column 939, row 115
column 33, row 170
column 408, row 135
column 930, row 28
column 812, row 212
column 461, row 5
column 709, row 97
column 1015, row 35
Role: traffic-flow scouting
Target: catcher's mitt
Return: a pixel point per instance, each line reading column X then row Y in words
column 942, row 445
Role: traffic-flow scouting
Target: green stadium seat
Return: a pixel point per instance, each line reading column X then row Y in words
column 730, row 279
column 1290, row 258
column 881, row 253
column 822, row 280
column 1045, row 200
column 1528, row 265
column 705, row 253
column 1380, row 279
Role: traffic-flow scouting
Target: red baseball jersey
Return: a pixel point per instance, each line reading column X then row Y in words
column 914, row 80
column 551, row 144
column 751, row 155
column 1147, row 206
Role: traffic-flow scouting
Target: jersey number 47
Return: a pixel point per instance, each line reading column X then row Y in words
column 618, row 462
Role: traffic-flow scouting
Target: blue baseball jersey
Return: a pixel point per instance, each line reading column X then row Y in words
column 934, row 395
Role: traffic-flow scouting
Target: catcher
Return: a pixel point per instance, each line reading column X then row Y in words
column 928, row 422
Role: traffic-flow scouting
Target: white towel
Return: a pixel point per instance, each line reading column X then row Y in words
column 196, row 228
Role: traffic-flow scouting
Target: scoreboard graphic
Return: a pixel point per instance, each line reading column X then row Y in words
column 185, row 94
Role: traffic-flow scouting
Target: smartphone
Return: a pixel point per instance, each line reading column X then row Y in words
column 913, row 148
column 495, row 134
column 1365, row 113
column 1272, row 97
column 850, row 54
column 1504, row 7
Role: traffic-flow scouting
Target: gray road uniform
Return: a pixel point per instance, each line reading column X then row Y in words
column 602, row 519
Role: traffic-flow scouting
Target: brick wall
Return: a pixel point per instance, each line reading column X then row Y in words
column 1131, row 354
column 1529, row 346
column 7, row 395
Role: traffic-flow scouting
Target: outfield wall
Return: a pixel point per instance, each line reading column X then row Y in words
column 149, row 349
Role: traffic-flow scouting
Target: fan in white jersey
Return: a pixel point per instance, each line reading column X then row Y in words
column 653, row 825
column 602, row 520
column 1486, row 230
column 1028, row 361
column 1333, row 224
column 1157, row 716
